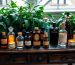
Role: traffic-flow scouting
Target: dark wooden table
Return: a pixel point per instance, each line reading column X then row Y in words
column 37, row 56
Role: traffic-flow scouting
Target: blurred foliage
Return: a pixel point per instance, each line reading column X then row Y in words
column 32, row 15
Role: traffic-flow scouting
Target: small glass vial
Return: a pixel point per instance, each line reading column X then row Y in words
column 11, row 38
column 28, row 40
column 36, row 38
column 4, row 44
column 20, row 41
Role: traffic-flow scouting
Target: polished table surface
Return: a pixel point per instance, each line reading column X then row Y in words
column 51, row 55
column 52, row 50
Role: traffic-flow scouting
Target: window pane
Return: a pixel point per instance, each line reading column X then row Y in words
column 0, row 2
column 55, row 5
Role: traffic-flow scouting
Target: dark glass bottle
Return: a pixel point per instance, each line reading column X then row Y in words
column 31, row 37
column 20, row 41
column 4, row 40
column 28, row 41
column 68, row 27
column 23, row 29
column 36, row 38
column 54, row 34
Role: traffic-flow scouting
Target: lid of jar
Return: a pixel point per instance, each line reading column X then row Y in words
column 19, row 33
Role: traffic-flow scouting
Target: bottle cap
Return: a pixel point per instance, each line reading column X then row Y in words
column 10, row 28
column 67, row 13
column 46, row 34
column 42, row 28
column 27, row 34
column 36, row 28
column 3, row 33
column 67, row 18
column 54, row 24
column 23, row 24
column 62, row 25
column 19, row 33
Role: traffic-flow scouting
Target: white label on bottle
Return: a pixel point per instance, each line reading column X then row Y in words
column 27, row 43
column 62, row 38
column 11, row 45
column 20, row 43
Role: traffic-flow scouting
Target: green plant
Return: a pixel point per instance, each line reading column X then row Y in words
column 13, row 15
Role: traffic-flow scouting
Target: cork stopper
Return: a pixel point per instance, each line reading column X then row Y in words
column 36, row 28
column 67, row 18
column 54, row 24
column 20, row 33
column 62, row 25
column 3, row 33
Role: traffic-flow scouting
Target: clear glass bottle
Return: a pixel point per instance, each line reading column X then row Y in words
column 54, row 34
column 4, row 43
column 11, row 38
column 36, row 38
column 62, row 36
column 28, row 43
column 20, row 41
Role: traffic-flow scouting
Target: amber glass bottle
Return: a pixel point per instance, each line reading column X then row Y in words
column 4, row 40
column 11, row 39
column 36, row 38
column 46, row 41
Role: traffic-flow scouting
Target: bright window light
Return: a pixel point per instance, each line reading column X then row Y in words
column 57, row 5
